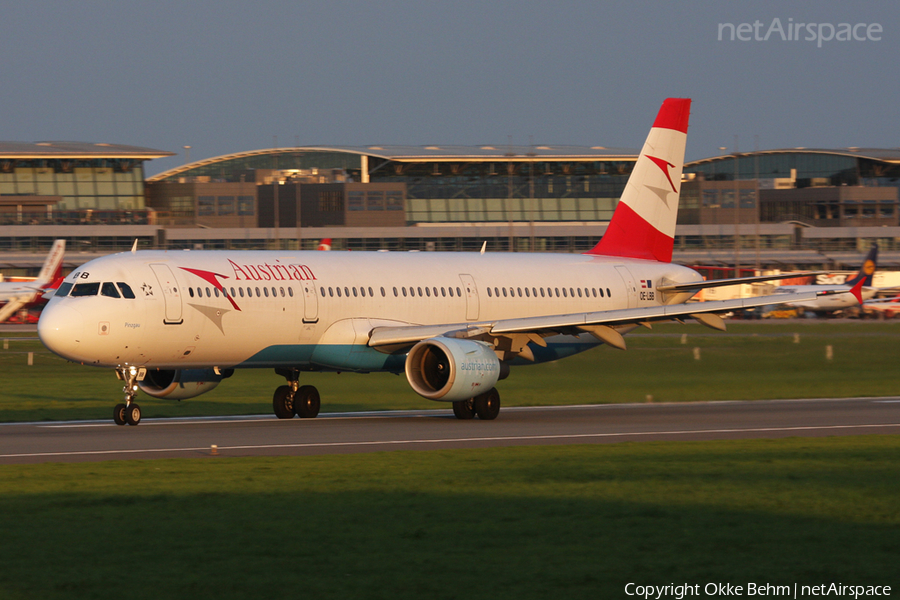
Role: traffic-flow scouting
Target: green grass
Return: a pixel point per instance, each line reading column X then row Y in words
column 751, row 361
column 530, row 522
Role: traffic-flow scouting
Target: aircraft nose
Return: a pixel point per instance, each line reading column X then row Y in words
column 61, row 329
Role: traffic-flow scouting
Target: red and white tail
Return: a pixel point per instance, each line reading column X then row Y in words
column 643, row 225
column 324, row 245
column 52, row 268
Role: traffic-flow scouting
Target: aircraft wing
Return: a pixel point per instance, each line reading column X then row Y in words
column 711, row 283
column 599, row 323
column 10, row 308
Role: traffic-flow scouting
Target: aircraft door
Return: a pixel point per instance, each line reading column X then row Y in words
column 472, row 304
column 310, row 302
column 171, row 293
column 630, row 289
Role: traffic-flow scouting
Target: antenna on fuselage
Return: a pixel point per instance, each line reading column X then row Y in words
column 134, row 246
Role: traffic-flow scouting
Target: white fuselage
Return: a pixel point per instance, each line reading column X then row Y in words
column 836, row 298
column 315, row 310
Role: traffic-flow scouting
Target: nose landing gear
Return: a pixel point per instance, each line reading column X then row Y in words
column 129, row 412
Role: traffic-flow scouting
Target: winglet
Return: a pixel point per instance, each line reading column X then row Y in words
column 643, row 225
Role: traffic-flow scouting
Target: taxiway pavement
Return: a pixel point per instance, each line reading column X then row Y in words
column 433, row 429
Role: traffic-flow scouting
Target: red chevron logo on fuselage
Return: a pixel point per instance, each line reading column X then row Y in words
column 213, row 279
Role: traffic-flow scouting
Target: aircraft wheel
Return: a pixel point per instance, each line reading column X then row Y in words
column 307, row 402
column 133, row 414
column 464, row 409
column 119, row 414
column 282, row 403
column 487, row 405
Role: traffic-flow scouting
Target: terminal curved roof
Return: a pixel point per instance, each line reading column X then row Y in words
column 889, row 155
column 435, row 153
column 74, row 150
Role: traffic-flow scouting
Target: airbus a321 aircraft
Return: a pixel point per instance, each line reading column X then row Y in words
column 16, row 295
column 175, row 324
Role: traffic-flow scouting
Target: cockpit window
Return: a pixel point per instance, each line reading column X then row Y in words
column 126, row 291
column 109, row 289
column 86, row 289
column 63, row 289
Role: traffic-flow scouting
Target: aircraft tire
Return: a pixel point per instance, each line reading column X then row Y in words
column 119, row 414
column 307, row 402
column 464, row 409
column 133, row 414
column 487, row 405
column 281, row 403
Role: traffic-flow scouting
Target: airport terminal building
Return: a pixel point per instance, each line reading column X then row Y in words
column 545, row 198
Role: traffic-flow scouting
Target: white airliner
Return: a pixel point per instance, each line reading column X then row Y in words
column 174, row 324
column 834, row 297
column 16, row 295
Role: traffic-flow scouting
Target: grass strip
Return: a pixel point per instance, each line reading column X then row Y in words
column 752, row 361
column 526, row 522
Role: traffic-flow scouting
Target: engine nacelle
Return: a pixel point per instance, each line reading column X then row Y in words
column 449, row 369
column 180, row 384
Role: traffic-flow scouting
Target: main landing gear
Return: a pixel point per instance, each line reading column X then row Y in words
column 295, row 399
column 486, row 406
column 129, row 412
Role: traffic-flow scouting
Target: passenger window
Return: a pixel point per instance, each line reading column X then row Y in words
column 86, row 289
column 458, row 292
column 109, row 289
column 266, row 292
column 404, row 291
column 354, row 292
column 534, row 292
column 527, row 294
column 241, row 292
column 291, row 292
column 428, row 292
column 579, row 292
column 63, row 290
column 489, row 292
column 608, row 294
column 504, row 292
column 208, row 293
column 330, row 292
column 338, row 290
column 601, row 292
column 565, row 295
column 346, row 291
column 557, row 292
column 274, row 294
column 519, row 290
column 542, row 292
column 594, row 290
column 191, row 292
column 395, row 293
column 232, row 292
column 420, row 292
column 282, row 292
column 443, row 292
column 496, row 292
column 435, row 291
column 216, row 290
column 451, row 292
column 382, row 293
column 372, row 294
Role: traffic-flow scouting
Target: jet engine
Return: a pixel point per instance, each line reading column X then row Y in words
column 180, row 384
column 450, row 369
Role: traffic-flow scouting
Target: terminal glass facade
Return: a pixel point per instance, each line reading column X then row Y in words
column 102, row 184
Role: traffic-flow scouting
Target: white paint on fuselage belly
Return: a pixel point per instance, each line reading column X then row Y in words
column 252, row 324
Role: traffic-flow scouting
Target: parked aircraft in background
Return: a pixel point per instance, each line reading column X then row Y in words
column 16, row 295
column 324, row 244
column 836, row 297
column 175, row 324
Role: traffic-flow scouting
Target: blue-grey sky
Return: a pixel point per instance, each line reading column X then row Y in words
column 228, row 76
